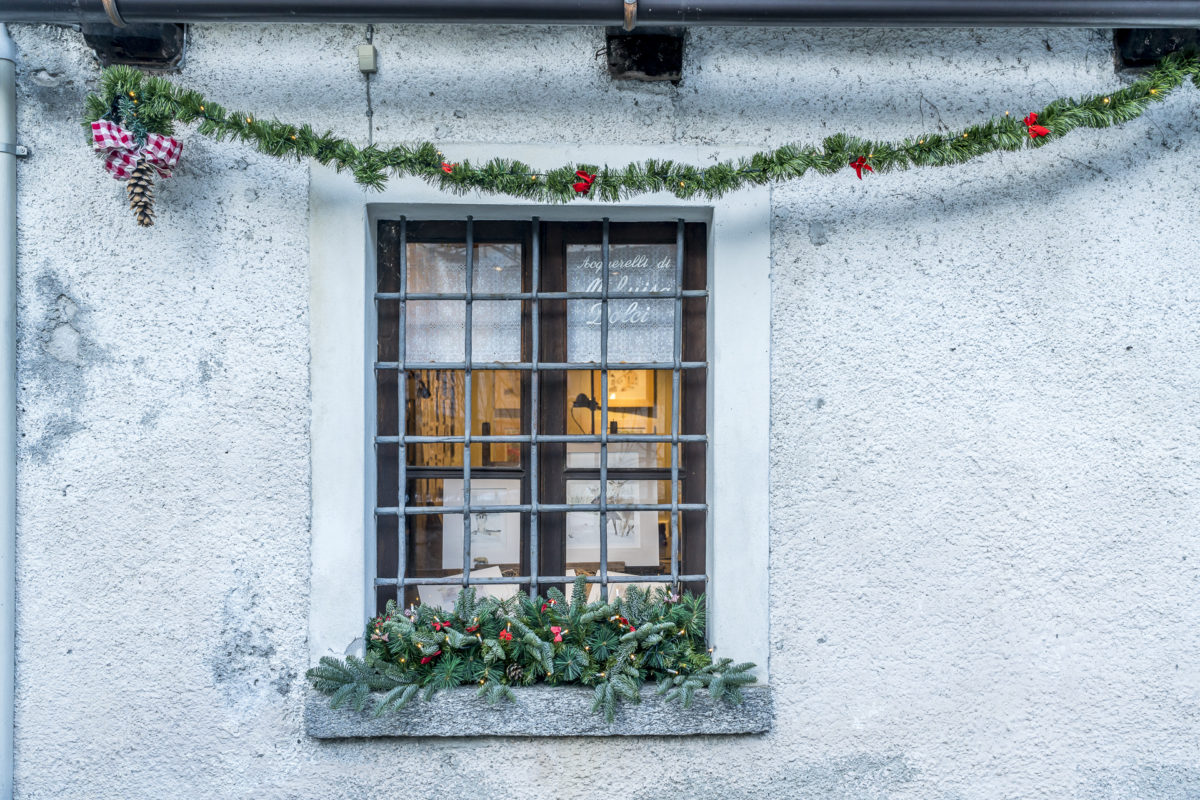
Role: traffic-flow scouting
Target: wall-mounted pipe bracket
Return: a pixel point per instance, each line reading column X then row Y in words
column 18, row 150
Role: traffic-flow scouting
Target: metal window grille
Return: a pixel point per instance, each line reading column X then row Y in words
column 392, row 451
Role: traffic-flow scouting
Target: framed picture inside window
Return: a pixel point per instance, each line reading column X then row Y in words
column 627, row 388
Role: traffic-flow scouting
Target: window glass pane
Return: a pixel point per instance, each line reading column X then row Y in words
column 495, row 535
column 387, row 267
column 583, row 331
column 435, row 330
column 497, row 410
column 496, row 330
column 497, row 268
column 387, row 472
column 641, row 330
column 388, row 330
column 427, row 555
column 435, row 408
column 632, row 267
column 387, row 414
column 437, row 267
column 633, row 536
column 426, row 492
column 386, row 550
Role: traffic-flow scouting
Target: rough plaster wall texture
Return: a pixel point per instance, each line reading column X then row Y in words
column 983, row 578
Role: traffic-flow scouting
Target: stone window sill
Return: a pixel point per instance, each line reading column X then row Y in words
column 542, row 711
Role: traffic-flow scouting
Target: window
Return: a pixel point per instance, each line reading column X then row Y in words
column 727, row 241
column 520, row 366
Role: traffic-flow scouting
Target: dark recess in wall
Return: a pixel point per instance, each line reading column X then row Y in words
column 650, row 54
column 1144, row 47
column 152, row 46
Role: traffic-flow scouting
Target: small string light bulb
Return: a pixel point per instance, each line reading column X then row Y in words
column 1106, row 101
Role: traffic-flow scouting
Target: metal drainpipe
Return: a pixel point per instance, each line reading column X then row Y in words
column 854, row 13
column 8, row 401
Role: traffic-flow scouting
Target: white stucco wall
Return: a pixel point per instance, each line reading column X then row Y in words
column 986, row 455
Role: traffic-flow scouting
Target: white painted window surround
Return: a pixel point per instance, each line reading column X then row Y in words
column 342, row 219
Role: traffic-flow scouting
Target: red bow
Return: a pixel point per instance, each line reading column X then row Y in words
column 437, row 626
column 505, row 636
column 557, row 631
column 472, row 628
column 124, row 152
column 1035, row 130
column 585, row 181
column 427, row 659
column 859, row 165
column 448, row 168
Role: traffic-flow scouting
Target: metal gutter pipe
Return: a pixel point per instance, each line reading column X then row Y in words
column 8, row 402
column 849, row 13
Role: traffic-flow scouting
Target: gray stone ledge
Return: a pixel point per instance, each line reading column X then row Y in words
column 541, row 711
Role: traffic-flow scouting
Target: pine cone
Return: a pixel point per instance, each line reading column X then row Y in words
column 140, row 188
column 515, row 672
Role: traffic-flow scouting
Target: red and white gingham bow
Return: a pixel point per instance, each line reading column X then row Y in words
column 161, row 152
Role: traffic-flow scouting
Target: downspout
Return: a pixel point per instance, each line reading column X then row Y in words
column 8, row 401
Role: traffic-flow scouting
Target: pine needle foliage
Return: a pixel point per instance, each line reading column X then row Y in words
column 160, row 104
column 643, row 637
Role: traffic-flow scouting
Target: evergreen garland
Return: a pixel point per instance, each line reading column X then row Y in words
column 497, row 644
column 153, row 104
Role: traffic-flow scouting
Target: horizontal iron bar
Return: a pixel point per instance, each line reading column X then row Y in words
column 541, row 365
column 665, row 438
column 423, row 511
column 516, row 580
column 854, row 13
column 475, row 296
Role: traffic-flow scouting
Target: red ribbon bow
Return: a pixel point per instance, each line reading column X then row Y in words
column 1035, row 130
column 448, row 168
column 859, row 165
column 124, row 152
column 429, row 658
column 437, row 625
column 557, row 631
column 505, row 636
column 585, row 181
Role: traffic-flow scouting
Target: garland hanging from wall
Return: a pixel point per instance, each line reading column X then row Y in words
column 132, row 119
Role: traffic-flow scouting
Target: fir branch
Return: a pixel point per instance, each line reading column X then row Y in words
column 498, row 644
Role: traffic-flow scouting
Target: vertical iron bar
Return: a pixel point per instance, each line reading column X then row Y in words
column 604, row 413
column 402, row 420
column 467, row 402
column 677, row 357
column 534, row 552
